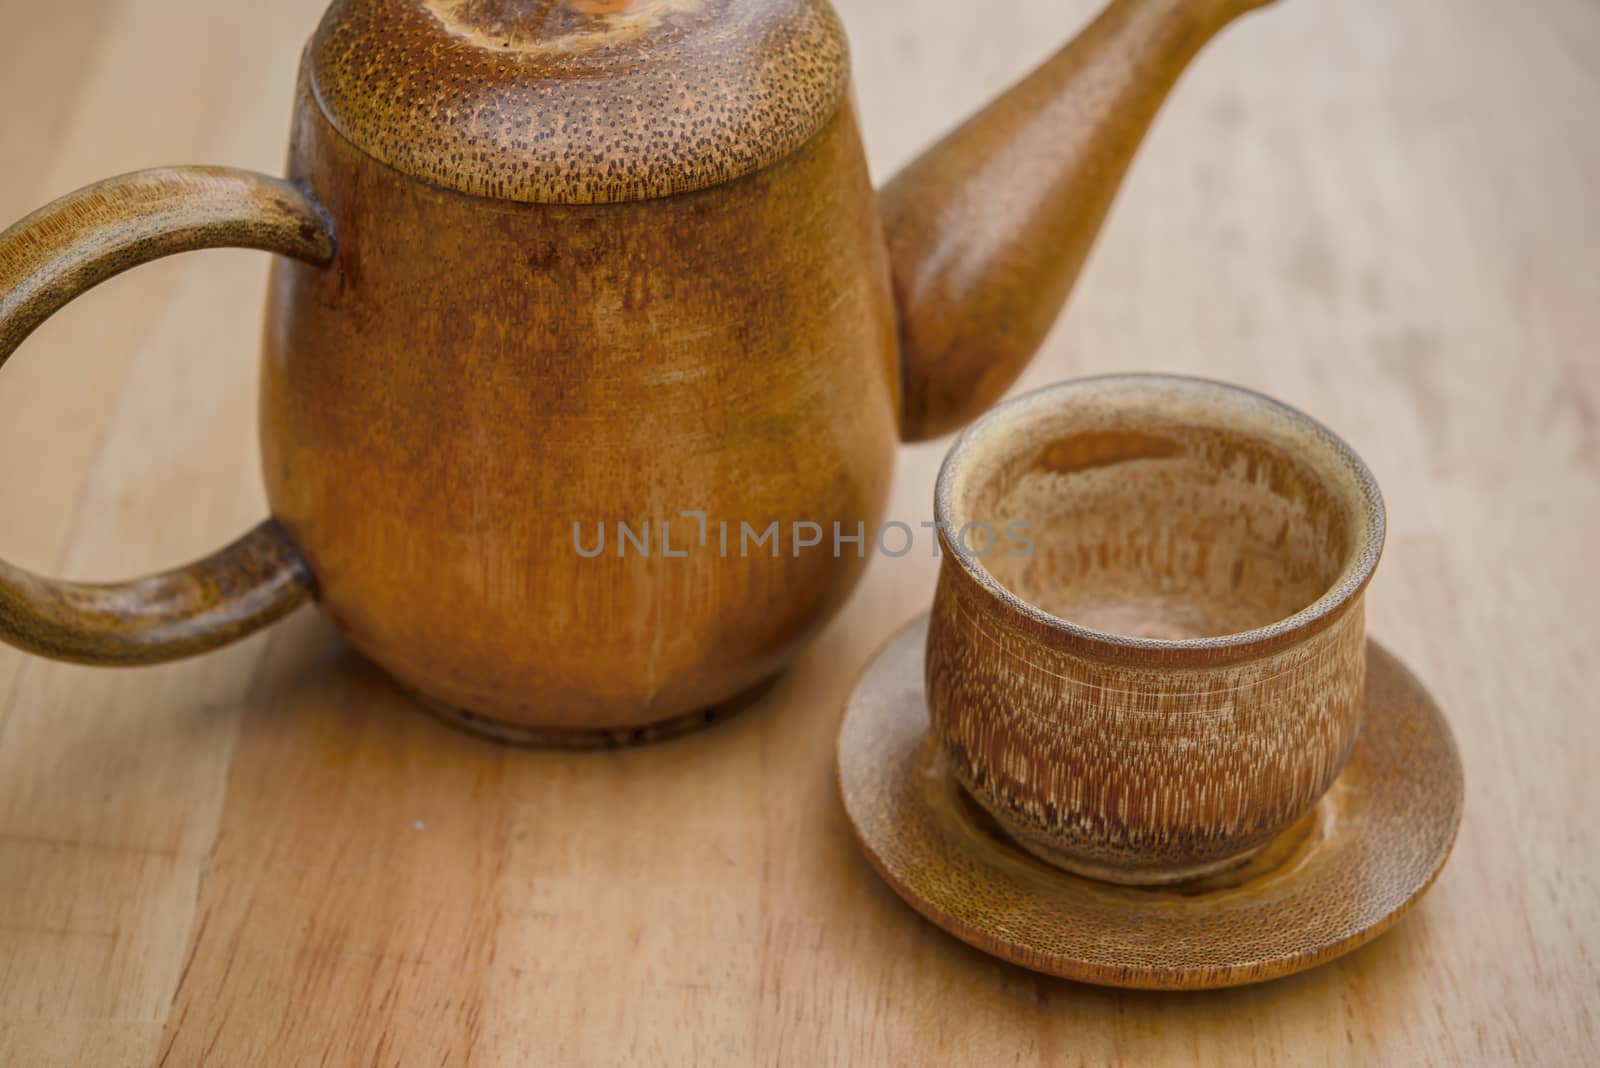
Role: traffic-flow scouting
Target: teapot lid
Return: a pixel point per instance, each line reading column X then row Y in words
column 578, row 101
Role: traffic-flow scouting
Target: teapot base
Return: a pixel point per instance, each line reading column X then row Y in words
column 597, row 737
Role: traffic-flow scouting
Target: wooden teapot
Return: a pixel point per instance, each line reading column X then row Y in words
column 557, row 271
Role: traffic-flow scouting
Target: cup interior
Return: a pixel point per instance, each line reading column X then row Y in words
column 1161, row 509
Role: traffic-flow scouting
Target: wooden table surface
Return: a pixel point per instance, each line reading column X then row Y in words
column 1384, row 211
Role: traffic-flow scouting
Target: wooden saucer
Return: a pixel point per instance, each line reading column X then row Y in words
column 1338, row 879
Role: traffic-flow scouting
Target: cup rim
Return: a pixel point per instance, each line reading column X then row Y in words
column 1342, row 592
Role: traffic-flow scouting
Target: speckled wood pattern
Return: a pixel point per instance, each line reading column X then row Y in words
column 1172, row 675
column 578, row 101
column 1334, row 881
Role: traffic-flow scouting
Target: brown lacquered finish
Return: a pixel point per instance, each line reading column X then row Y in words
column 1335, row 879
column 473, row 377
column 1168, row 672
column 989, row 229
column 573, row 262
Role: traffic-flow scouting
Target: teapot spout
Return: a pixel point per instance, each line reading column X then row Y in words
column 988, row 230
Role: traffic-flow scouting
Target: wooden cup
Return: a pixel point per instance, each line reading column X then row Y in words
column 1147, row 649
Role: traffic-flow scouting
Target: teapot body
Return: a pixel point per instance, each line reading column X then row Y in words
column 553, row 464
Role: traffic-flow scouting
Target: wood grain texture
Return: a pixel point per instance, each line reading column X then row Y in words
column 477, row 394
column 1147, row 643
column 1340, row 876
column 1378, row 211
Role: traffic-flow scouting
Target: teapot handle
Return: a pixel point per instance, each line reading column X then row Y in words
column 63, row 250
